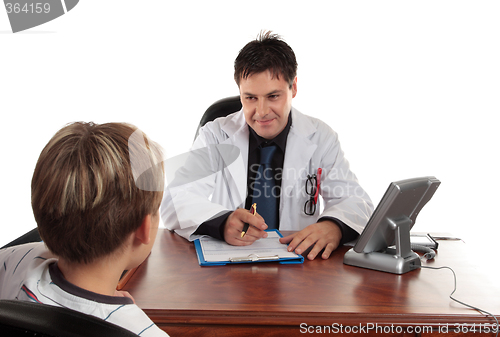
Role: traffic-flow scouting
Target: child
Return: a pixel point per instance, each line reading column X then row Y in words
column 96, row 191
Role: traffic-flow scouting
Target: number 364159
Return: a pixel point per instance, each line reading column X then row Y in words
column 32, row 8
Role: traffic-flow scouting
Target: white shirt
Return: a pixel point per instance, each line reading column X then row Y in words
column 28, row 273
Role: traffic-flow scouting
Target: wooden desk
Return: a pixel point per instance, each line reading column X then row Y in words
column 268, row 299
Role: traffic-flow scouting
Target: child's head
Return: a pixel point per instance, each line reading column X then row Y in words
column 86, row 192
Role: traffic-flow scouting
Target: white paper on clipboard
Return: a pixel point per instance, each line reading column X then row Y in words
column 263, row 249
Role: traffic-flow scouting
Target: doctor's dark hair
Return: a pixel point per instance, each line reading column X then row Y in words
column 267, row 52
column 85, row 190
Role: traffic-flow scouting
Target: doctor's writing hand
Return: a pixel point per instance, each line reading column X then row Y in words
column 323, row 235
column 234, row 225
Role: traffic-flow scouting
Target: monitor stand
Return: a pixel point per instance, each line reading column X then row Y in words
column 398, row 260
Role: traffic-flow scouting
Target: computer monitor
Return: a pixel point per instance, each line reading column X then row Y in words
column 390, row 225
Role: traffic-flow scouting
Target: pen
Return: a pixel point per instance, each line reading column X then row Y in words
column 318, row 183
column 253, row 210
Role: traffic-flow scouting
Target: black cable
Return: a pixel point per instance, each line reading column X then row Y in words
column 460, row 302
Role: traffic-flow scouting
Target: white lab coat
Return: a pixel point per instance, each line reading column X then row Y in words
column 222, row 185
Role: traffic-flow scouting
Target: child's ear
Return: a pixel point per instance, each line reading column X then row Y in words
column 143, row 232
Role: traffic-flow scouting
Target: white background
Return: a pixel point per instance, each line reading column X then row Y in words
column 412, row 88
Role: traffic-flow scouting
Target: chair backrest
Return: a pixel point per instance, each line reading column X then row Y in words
column 21, row 318
column 221, row 108
column 31, row 236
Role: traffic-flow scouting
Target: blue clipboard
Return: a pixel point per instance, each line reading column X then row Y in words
column 252, row 258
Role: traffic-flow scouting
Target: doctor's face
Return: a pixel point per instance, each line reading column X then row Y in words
column 266, row 103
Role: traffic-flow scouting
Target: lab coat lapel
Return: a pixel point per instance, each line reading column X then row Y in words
column 237, row 132
column 299, row 151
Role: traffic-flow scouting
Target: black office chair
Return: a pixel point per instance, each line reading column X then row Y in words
column 20, row 318
column 221, row 108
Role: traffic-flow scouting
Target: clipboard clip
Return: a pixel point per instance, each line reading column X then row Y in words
column 254, row 258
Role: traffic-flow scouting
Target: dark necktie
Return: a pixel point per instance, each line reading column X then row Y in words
column 264, row 193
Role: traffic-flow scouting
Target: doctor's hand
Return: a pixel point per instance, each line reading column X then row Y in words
column 234, row 226
column 323, row 235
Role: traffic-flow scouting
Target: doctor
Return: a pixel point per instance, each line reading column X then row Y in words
column 212, row 192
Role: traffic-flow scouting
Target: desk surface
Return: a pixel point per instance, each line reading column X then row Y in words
column 182, row 297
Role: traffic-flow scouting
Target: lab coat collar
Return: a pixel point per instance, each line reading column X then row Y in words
column 236, row 129
column 302, row 126
column 300, row 149
column 237, row 126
